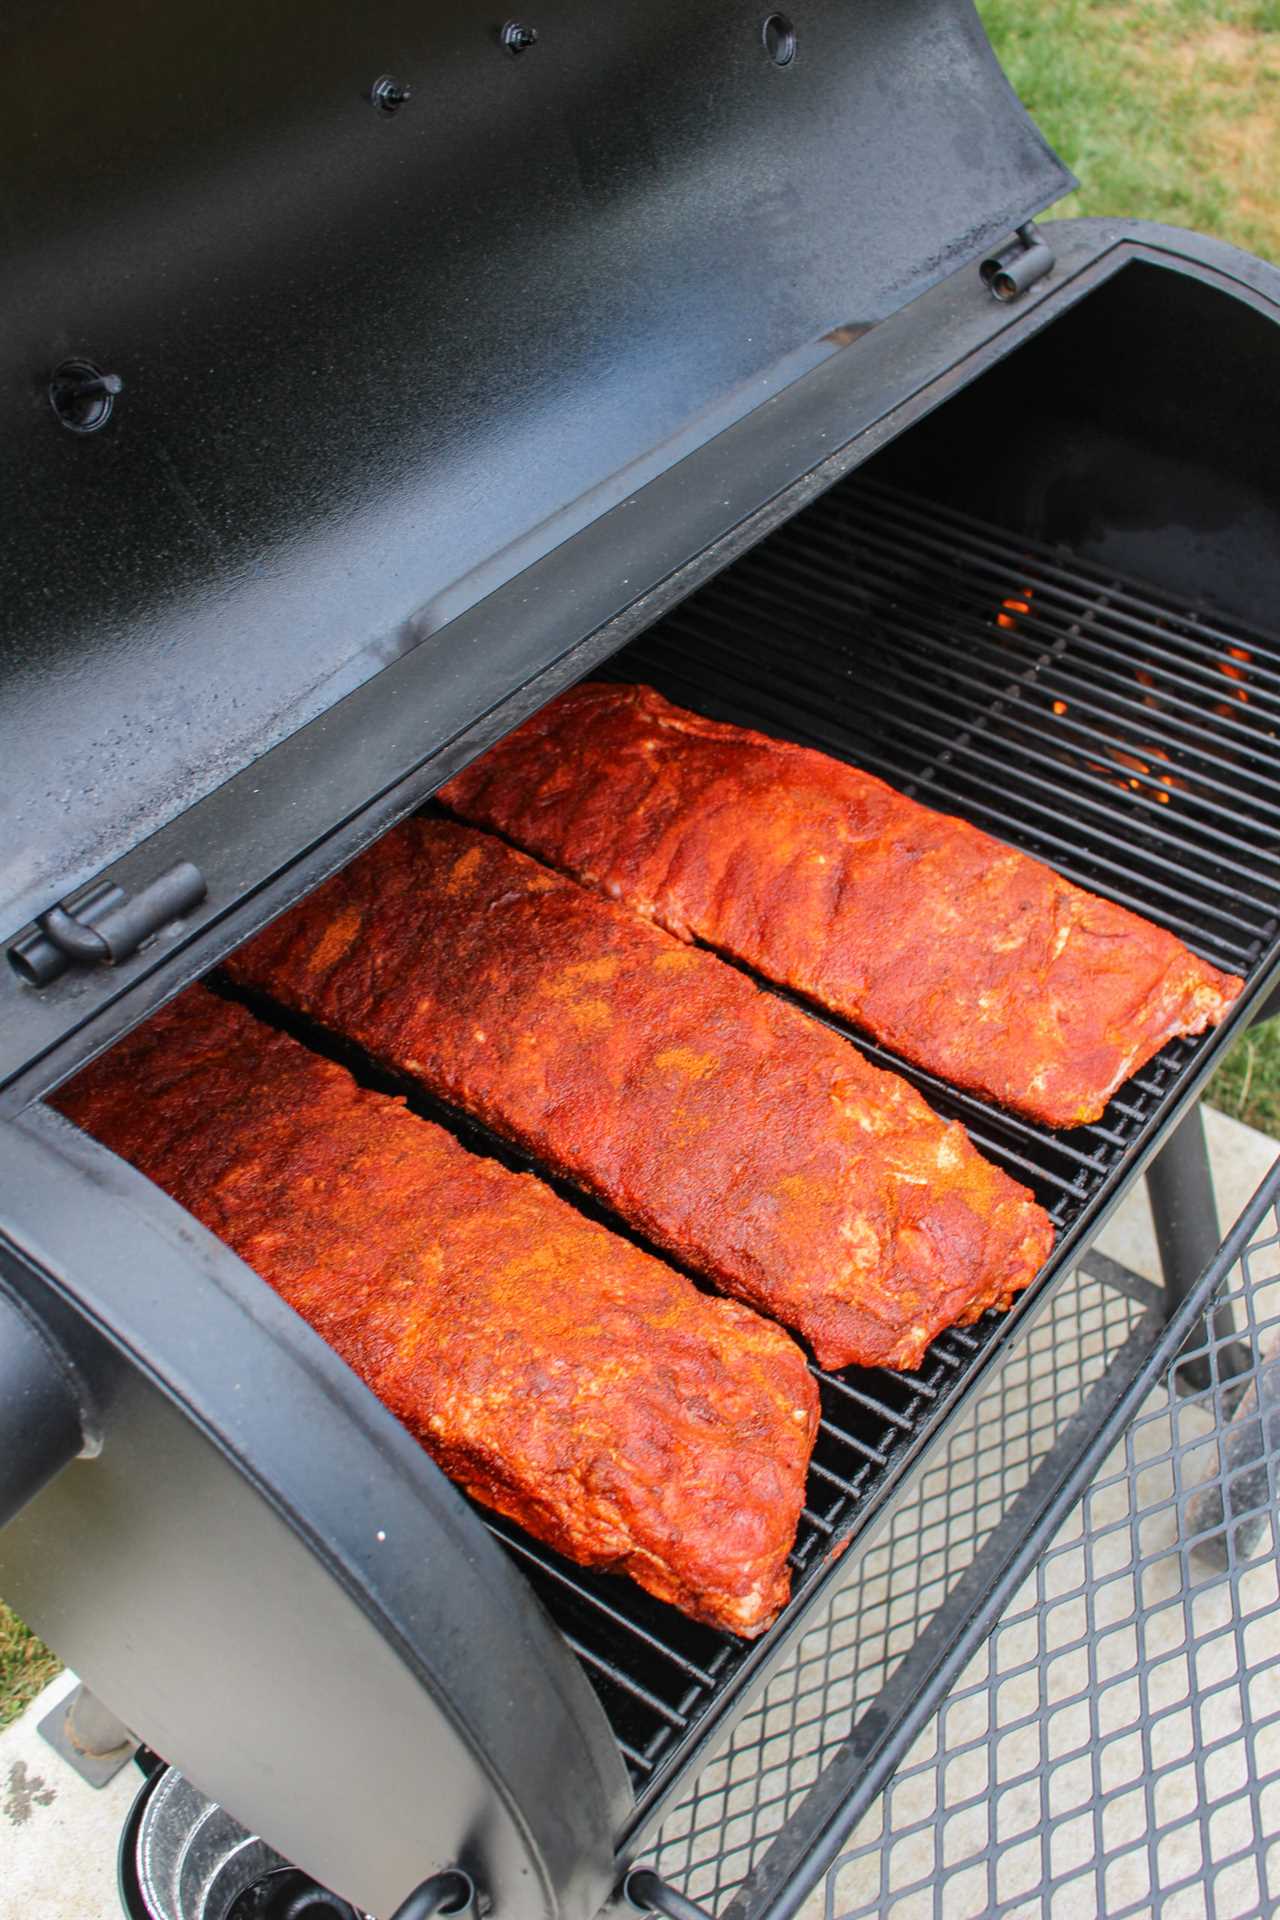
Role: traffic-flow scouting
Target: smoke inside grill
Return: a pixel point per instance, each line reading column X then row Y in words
column 1095, row 722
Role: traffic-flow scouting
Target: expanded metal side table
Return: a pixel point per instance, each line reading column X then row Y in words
column 1052, row 1686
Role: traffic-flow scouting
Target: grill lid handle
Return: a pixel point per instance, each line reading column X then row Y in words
column 104, row 925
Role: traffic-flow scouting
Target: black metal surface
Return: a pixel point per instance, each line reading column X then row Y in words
column 1184, row 1217
column 646, row 1892
column 1113, row 1746
column 287, row 1894
column 932, row 651
column 444, row 1893
column 372, row 361
column 42, row 1425
column 105, row 925
column 1010, row 272
column 272, row 832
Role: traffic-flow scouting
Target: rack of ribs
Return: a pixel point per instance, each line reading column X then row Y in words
column 731, row 1129
column 969, row 959
column 556, row 1372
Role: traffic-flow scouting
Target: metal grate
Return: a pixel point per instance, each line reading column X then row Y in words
column 739, row 1803
column 1114, row 1747
column 1097, row 724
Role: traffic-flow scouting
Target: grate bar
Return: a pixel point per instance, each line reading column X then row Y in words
column 981, row 602
column 619, row 1677
column 1138, row 609
column 1014, row 827
column 846, row 1440
column 925, row 624
column 841, row 1386
column 527, row 1549
column 1094, row 784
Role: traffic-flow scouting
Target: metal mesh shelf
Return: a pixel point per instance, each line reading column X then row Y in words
column 1114, row 1746
column 1095, row 1728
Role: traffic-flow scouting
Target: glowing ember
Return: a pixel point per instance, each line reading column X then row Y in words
column 1059, row 706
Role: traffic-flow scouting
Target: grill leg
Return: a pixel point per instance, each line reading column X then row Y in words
column 1185, row 1216
column 89, row 1737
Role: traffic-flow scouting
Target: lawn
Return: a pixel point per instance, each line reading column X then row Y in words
column 1165, row 108
column 25, row 1666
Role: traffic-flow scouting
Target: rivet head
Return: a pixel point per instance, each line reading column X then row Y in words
column 389, row 93
column 516, row 37
column 82, row 396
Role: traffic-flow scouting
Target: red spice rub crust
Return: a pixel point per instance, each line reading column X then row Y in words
column 557, row 1373
column 976, row 962
column 729, row 1127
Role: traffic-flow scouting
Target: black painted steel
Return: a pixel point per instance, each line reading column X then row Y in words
column 106, row 925
column 371, row 359
column 1184, row 1215
column 270, row 833
column 646, row 1892
column 444, row 1893
column 42, row 1426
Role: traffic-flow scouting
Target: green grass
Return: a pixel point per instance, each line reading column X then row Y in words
column 26, row 1665
column 1247, row 1084
column 1168, row 109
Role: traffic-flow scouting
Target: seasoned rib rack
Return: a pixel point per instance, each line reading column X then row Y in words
column 970, row 959
column 741, row 1137
column 557, row 1374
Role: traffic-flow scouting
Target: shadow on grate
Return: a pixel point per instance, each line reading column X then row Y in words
column 742, row 1798
column 1113, row 1748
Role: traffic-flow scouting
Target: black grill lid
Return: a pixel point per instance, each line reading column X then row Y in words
column 366, row 355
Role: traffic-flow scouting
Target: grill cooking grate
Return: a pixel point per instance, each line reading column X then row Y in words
column 1128, row 740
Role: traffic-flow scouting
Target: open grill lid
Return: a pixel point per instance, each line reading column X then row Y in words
column 375, row 354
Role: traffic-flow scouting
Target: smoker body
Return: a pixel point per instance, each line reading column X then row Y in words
column 306, row 572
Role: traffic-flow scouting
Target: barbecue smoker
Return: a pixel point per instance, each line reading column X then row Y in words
column 370, row 375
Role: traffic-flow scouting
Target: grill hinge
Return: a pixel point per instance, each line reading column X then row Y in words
column 103, row 925
column 1028, row 258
